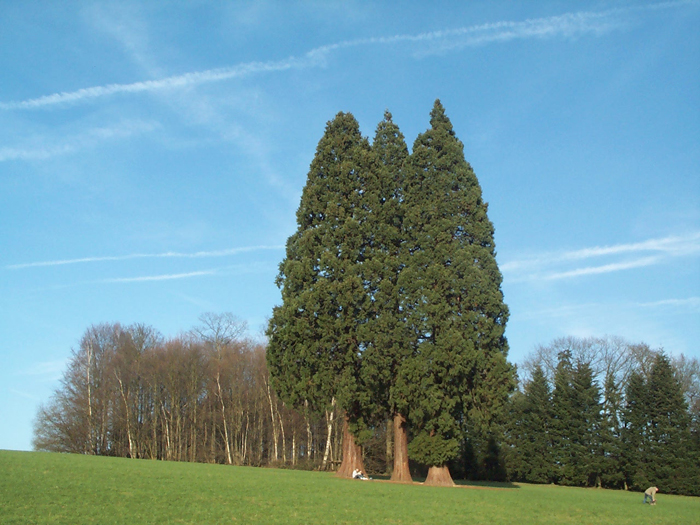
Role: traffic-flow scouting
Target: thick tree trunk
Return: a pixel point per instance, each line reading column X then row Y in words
column 401, row 471
column 439, row 477
column 352, row 454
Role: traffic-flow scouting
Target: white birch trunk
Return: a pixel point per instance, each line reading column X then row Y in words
column 223, row 417
column 329, row 424
column 128, row 416
column 272, row 420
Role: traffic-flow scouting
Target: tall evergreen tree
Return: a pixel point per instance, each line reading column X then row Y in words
column 563, row 412
column 577, row 422
column 390, row 341
column 452, row 300
column 612, row 475
column 635, row 433
column 314, row 353
column 670, row 459
column 533, row 444
column 586, row 427
column 657, row 441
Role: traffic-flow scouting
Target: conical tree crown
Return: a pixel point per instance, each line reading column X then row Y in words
column 438, row 118
column 335, row 172
column 314, row 340
column 388, row 334
column 669, row 431
column 453, row 299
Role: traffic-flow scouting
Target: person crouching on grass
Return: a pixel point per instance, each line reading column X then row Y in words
column 650, row 494
column 357, row 474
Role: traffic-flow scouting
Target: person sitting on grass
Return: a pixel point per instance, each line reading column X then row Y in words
column 650, row 494
column 357, row 474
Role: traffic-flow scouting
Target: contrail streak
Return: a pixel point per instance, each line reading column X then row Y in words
column 567, row 25
column 548, row 266
column 175, row 81
column 606, row 268
column 175, row 255
column 675, row 245
column 167, row 277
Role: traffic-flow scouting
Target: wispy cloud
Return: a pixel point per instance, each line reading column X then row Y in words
column 235, row 269
column 675, row 245
column 165, row 277
column 164, row 255
column 568, row 25
column 557, row 265
column 574, row 311
column 690, row 302
column 50, row 370
column 23, row 394
column 39, row 150
column 605, row 268
column 175, row 81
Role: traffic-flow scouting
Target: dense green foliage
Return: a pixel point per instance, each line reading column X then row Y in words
column 315, row 334
column 73, row 489
column 531, row 434
column 574, row 438
column 454, row 304
column 657, row 439
column 392, row 307
column 390, row 340
column 391, row 295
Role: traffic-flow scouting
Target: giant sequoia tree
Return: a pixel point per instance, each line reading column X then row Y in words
column 392, row 302
column 390, row 340
column 452, row 301
column 315, row 336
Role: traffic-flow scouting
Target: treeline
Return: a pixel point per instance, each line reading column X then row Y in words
column 590, row 412
column 392, row 322
column 204, row 396
column 601, row 412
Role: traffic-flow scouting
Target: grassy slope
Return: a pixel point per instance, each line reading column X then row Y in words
column 60, row 488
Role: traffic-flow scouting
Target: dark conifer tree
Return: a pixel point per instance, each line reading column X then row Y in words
column 534, row 445
column 612, row 475
column 453, row 301
column 577, row 422
column 635, row 433
column 563, row 415
column 390, row 341
column 670, row 459
column 315, row 336
column 586, row 421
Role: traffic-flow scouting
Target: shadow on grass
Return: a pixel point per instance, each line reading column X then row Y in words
column 458, row 482
column 486, row 484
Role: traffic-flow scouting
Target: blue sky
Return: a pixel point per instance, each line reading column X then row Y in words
column 152, row 157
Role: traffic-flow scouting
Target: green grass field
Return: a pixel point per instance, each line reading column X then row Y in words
column 72, row 489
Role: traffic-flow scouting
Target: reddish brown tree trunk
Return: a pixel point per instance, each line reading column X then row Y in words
column 439, row 477
column 401, row 471
column 352, row 454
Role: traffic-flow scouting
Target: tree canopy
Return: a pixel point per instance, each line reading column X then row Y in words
column 453, row 298
column 391, row 294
